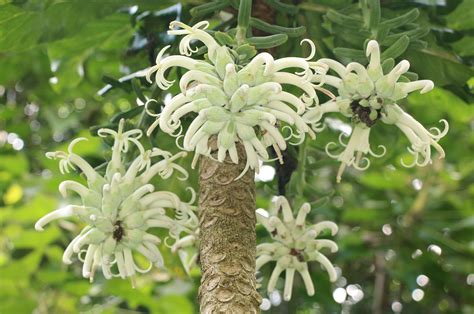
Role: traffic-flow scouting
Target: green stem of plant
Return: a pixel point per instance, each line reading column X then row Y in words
column 240, row 35
column 243, row 20
column 301, row 171
column 314, row 7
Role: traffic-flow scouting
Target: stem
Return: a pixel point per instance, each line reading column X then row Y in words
column 378, row 302
column 227, row 236
column 243, row 20
column 301, row 171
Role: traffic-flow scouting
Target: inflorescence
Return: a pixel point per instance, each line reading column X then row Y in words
column 294, row 245
column 120, row 207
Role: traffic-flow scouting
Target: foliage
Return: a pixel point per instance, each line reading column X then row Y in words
column 60, row 64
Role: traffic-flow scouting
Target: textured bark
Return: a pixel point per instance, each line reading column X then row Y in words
column 227, row 237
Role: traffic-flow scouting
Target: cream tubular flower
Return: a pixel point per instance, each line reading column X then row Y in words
column 354, row 151
column 120, row 207
column 235, row 103
column 420, row 139
column 294, row 245
column 367, row 95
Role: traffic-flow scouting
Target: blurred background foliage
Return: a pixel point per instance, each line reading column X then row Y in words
column 406, row 237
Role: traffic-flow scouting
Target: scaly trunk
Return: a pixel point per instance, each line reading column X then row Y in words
column 227, row 236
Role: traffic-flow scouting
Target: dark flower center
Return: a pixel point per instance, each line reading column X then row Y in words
column 363, row 113
column 298, row 254
column 119, row 232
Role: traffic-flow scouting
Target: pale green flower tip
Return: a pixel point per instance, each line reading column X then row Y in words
column 294, row 245
column 429, row 85
column 39, row 226
column 372, row 47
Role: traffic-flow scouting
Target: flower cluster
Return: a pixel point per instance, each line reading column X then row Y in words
column 367, row 95
column 236, row 103
column 294, row 245
column 119, row 207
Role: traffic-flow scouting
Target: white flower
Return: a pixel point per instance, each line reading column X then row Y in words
column 120, row 207
column 294, row 245
column 367, row 95
column 237, row 103
column 187, row 248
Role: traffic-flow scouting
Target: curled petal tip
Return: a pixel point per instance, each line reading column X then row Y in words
column 39, row 226
column 429, row 85
column 371, row 47
column 62, row 189
column 404, row 66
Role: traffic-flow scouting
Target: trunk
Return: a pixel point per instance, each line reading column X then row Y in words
column 227, row 236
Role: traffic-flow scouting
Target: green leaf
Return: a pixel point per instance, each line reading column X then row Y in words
column 18, row 28
column 127, row 114
column 401, row 20
column 33, row 239
column 111, row 28
column 224, row 38
column 442, row 67
column 23, row 267
column 463, row 17
column 372, row 13
column 206, row 8
column 283, row 7
column 364, row 215
column 15, row 164
column 276, row 29
column 246, row 51
column 396, row 49
column 138, row 91
column 388, row 65
column 30, row 212
column 245, row 10
column 344, row 20
column 384, row 180
column 351, row 54
column 465, row 46
column 71, row 53
column 265, row 42
column 444, row 101
column 169, row 303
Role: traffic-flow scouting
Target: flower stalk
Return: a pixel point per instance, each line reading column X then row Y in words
column 227, row 235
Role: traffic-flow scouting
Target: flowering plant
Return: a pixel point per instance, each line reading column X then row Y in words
column 235, row 102
column 295, row 245
column 367, row 95
column 120, row 207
